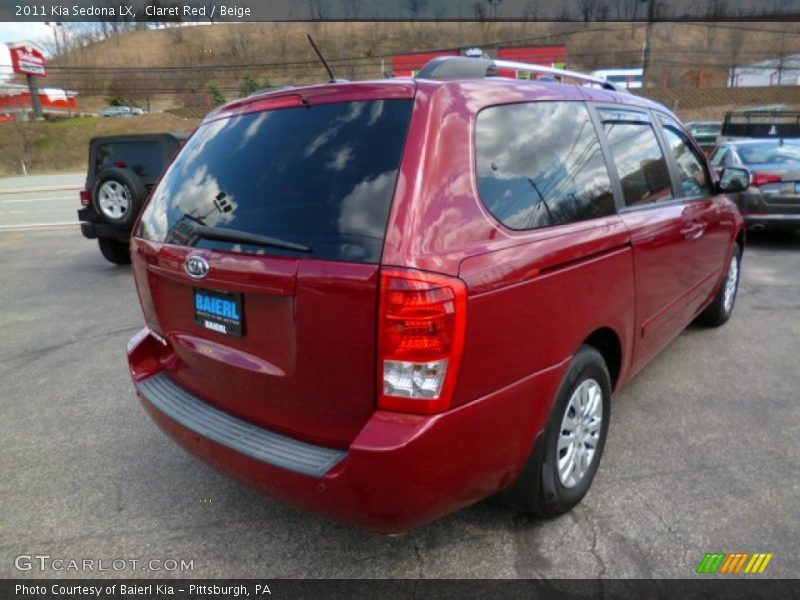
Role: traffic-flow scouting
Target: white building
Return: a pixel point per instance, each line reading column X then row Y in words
column 5, row 62
column 772, row 71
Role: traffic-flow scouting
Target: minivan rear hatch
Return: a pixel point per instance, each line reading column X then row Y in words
column 257, row 258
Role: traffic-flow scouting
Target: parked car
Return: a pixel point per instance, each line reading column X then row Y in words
column 773, row 198
column 384, row 301
column 122, row 171
column 705, row 133
column 121, row 111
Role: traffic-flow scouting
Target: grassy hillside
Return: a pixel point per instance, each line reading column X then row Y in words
column 272, row 54
column 64, row 145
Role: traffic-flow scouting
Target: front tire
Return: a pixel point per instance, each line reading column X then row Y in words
column 566, row 457
column 721, row 309
column 115, row 251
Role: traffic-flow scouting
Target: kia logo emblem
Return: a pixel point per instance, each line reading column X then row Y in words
column 196, row 267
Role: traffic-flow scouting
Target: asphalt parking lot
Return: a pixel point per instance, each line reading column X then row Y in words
column 703, row 453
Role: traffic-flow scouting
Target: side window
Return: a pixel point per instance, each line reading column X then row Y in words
column 691, row 170
column 640, row 163
column 720, row 157
column 540, row 164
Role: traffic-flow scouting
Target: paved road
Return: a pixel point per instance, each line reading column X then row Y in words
column 37, row 200
column 74, row 180
column 703, row 453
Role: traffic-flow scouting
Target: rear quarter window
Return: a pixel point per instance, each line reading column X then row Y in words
column 540, row 164
column 321, row 176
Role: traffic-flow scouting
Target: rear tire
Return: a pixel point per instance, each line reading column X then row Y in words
column 721, row 309
column 565, row 458
column 115, row 251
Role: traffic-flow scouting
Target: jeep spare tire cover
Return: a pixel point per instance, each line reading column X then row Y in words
column 118, row 196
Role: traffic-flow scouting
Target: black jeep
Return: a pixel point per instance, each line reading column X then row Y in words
column 122, row 171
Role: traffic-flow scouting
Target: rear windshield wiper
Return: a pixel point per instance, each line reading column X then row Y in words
column 223, row 234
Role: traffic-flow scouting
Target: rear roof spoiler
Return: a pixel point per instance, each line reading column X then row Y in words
column 464, row 67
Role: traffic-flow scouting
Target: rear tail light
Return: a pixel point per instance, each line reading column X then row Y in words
column 86, row 198
column 423, row 320
column 759, row 179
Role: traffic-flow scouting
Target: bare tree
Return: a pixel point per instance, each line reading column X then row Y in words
column 317, row 10
column 716, row 9
column 239, row 42
column 479, row 10
column 175, row 32
column 586, row 9
column 625, row 10
column 531, row 11
column 481, row 15
column 417, row 7
column 280, row 33
column 23, row 145
column 352, row 8
column 375, row 36
column 603, row 10
column 711, row 35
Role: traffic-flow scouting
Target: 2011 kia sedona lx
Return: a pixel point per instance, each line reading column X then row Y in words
column 384, row 301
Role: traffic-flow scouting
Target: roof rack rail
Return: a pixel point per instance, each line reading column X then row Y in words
column 465, row 67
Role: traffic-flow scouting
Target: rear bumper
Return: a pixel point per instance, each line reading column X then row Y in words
column 768, row 211
column 400, row 471
column 771, row 221
column 92, row 229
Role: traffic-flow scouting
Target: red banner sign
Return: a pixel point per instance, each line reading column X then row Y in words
column 28, row 60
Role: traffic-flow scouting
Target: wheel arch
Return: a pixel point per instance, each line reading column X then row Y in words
column 740, row 239
column 608, row 343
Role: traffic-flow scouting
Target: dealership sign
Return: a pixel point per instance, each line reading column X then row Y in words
column 27, row 59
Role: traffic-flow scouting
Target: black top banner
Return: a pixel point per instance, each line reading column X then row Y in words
column 382, row 589
column 393, row 10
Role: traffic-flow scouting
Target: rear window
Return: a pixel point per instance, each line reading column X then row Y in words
column 320, row 176
column 146, row 159
column 705, row 128
column 786, row 151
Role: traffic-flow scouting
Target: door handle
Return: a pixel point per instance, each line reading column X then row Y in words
column 694, row 231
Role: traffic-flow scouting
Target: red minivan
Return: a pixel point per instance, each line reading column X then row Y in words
column 385, row 301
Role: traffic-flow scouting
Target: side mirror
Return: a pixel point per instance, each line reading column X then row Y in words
column 733, row 179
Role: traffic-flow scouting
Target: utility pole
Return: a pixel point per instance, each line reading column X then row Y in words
column 651, row 11
column 495, row 4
